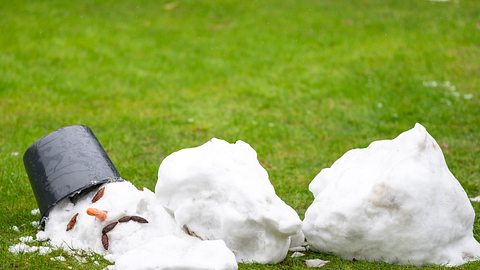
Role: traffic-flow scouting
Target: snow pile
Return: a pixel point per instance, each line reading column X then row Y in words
column 394, row 201
column 137, row 231
column 220, row 191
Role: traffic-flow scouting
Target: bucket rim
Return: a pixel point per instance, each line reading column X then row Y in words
column 31, row 146
column 44, row 216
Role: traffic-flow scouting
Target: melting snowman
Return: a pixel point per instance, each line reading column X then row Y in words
column 129, row 227
column 223, row 210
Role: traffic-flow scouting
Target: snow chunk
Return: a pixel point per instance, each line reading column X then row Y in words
column 24, row 248
column 21, row 248
column 298, row 249
column 58, row 258
column 35, row 211
column 41, row 236
column 26, row 239
column 394, row 201
column 475, row 199
column 44, row 250
column 220, row 191
column 15, row 228
column 297, row 254
column 315, row 263
column 171, row 252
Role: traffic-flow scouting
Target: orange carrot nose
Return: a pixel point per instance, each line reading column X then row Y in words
column 100, row 214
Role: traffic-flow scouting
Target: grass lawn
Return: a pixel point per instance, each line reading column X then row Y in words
column 301, row 81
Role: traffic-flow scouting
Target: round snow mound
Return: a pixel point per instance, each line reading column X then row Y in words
column 220, row 191
column 394, row 201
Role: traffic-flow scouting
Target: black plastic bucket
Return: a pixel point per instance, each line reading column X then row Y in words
column 65, row 163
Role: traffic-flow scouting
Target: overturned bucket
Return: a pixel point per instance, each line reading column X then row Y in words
column 65, row 163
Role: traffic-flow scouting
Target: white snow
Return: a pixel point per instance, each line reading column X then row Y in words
column 297, row 254
column 475, row 199
column 170, row 252
column 26, row 239
column 58, row 258
column 35, row 223
column 297, row 240
column 41, row 236
column 24, row 248
column 21, row 247
column 298, row 249
column 130, row 239
column 220, row 191
column 35, row 211
column 15, row 228
column 394, row 201
column 315, row 263
column 44, row 250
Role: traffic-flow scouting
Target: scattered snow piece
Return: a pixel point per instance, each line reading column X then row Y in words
column 475, row 199
column 394, row 201
column 26, row 239
column 41, row 236
column 35, row 223
column 430, row 84
column 297, row 249
column 468, row 96
column 315, row 263
column 35, row 211
column 58, row 258
column 24, row 248
column 80, row 259
column 297, row 254
column 15, row 228
column 44, row 250
column 15, row 154
column 21, row 248
column 96, row 263
column 220, row 191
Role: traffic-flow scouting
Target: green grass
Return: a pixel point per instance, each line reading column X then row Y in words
column 301, row 81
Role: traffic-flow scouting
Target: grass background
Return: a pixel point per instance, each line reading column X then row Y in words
column 301, row 81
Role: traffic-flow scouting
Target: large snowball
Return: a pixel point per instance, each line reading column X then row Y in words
column 158, row 244
column 120, row 199
column 394, row 201
column 220, row 191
